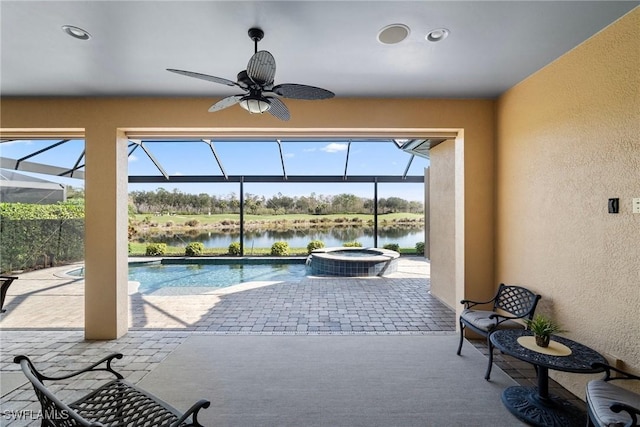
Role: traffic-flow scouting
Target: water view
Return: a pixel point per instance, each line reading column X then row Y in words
column 405, row 237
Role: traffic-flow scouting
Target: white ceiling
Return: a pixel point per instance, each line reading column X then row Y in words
column 331, row 44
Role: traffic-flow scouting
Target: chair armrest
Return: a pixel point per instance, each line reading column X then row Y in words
column 193, row 410
column 618, row 407
column 469, row 303
column 609, row 369
column 93, row 367
column 506, row 317
column 501, row 318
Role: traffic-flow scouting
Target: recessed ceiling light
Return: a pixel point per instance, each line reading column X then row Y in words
column 394, row 33
column 437, row 35
column 76, row 32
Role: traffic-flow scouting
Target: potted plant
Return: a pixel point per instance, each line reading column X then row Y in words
column 542, row 327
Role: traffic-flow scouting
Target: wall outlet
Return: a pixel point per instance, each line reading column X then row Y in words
column 636, row 205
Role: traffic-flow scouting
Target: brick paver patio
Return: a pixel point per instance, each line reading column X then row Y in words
column 45, row 312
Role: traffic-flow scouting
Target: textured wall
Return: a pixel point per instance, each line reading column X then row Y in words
column 442, row 221
column 569, row 139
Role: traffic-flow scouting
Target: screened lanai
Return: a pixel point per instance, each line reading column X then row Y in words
column 236, row 163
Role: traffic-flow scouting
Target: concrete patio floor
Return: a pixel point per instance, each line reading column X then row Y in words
column 44, row 320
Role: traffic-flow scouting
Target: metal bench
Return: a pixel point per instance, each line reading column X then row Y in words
column 115, row 403
column 510, row 303
column 609, row 404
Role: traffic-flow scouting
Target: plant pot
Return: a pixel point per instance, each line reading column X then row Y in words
column 542, row 340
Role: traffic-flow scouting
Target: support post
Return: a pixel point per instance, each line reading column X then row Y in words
column 242, row 216
column 106, row 269
column 375, row 213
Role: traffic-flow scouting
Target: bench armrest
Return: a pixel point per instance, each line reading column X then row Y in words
column 618, row 407
column 610, row 369
column 195, row 408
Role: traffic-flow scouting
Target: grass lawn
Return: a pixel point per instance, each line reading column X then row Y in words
column 218, row 218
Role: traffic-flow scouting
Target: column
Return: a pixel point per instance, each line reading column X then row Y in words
column 106, row 270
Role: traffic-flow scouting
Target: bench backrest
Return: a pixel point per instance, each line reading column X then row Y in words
column 516, row 300
column 54, row 412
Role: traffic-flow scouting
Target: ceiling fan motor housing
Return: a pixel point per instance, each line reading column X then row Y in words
column 244, row 79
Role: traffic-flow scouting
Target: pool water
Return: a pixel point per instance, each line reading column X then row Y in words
column 160, row 278
column 357, row 253
column 156, row 276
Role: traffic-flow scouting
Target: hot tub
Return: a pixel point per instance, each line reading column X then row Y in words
column 352, row 262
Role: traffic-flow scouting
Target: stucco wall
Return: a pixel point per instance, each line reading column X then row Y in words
column 568, row 140
column 442, row 221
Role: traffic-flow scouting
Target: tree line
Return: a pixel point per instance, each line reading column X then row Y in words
column 162, row 201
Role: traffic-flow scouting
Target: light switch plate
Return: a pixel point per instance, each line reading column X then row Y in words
column 636, row 205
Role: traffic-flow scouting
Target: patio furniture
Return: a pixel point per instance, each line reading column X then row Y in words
column 6, row 282
column 115, row 403
column 509, row 304
column 535, row 405
column 609, row 405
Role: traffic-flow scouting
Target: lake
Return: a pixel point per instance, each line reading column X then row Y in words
column 297, row 238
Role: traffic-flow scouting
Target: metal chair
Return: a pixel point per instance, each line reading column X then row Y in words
column 509, row 304
column 6, row 282
column 609, row 405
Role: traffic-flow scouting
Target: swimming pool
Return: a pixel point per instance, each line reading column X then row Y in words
column 187, row 277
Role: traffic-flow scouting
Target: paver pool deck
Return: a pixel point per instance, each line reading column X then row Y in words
column 399, row 303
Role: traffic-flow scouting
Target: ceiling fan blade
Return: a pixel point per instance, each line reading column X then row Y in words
column 225, row 102
column 278, row 109
column 262, row 68
column 296, row 91
column 204, row 77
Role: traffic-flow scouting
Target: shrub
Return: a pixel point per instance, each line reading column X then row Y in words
column 234, row 248
column 156, row 249
column 280, row 249
column 420, row 248
column 168, row 224
column 314, row 244
column 194, row 249
column 192, row 223
column 392, row 247
column 353, row 244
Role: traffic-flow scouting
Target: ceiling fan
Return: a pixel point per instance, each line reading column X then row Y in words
column 257, row 81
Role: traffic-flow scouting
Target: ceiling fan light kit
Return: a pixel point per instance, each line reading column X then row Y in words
column 257, row 80
column 254, row 104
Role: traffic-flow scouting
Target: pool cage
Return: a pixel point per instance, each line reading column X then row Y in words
column 411, row 147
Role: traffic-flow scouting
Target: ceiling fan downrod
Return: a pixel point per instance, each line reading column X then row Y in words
column 256, row 34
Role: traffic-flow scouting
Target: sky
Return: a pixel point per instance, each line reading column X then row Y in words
column 249, row 158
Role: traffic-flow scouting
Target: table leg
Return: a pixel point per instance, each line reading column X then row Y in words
column 543, row 383
column 537, row 407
